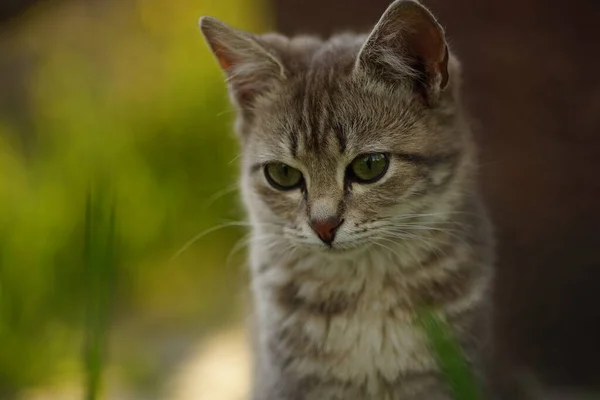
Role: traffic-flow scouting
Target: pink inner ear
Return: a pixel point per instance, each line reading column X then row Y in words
column 224, row 59
column 224, row 63
column 408, row 28
column 424, row 37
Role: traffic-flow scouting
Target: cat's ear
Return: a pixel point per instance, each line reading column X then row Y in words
column 407, row 41
column 249, row 66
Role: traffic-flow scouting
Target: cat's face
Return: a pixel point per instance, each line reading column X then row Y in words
column 346, row 153
column 341, row 139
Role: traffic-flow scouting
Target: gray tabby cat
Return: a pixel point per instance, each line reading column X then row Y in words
column 358, row 176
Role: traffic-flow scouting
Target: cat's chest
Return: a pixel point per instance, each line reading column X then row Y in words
column 370, row 340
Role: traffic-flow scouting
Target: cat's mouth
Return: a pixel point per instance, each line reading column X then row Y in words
column 334, row 248
column 340, row 249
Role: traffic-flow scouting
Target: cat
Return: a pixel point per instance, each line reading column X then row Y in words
column 359, row 180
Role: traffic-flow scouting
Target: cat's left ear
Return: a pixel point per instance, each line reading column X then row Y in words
column 407, row 42
column 249, row 66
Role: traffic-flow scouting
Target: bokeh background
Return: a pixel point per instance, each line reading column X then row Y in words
column 121, row 241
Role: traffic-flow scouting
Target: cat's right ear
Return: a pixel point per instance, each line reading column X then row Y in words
column 249, row 66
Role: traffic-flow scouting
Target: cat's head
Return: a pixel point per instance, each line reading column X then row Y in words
column 344, row 138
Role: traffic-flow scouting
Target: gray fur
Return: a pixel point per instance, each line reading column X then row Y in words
column 338, row 322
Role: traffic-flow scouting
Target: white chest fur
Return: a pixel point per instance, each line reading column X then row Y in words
column 373, row 339
column 361, row 345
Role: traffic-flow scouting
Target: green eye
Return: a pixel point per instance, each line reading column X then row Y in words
column 369, row 168
column 282, row 176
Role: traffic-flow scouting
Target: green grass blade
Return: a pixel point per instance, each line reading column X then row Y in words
column 450, row 358
column 100, row 272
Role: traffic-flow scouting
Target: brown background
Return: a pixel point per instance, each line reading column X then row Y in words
column 531, row 81
column 9, row 9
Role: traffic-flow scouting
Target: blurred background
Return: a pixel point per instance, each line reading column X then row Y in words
column 121, row 248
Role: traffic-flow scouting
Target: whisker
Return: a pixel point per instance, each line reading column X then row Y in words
column 396, row 253
column 418, row 227
column 238, row 246
column 210, row 230
column 216, row 196
column 392, row 251
column 435, row 239
column 253, row 237
column 422, row 215
column 236, row 158
column 226, row 112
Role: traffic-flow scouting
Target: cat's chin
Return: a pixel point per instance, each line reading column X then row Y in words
column 340, row 250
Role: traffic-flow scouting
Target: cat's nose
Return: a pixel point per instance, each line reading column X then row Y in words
column 326, row 228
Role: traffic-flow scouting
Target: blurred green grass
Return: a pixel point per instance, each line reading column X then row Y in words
column 123, row 92
column 100, row 266
column 450, row 358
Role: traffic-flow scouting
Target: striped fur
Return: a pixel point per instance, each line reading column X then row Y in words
column 337, row 322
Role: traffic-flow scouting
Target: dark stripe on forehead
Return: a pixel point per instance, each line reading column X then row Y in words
column 296, row 128
column 333, row 125
column 318, row 104
column 294, row 143
column 340, row 135
column 323, row 112
column 315, row 104
column 307, row 111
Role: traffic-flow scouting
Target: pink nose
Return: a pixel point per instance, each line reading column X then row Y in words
column 326, row 229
